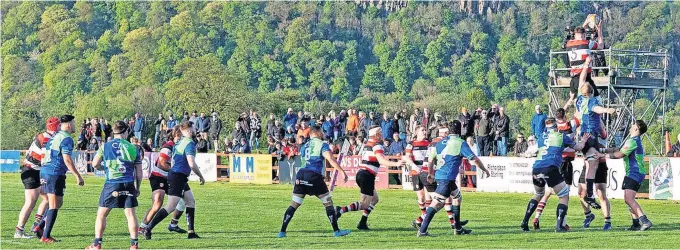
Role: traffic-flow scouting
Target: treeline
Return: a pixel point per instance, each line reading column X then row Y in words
column 109, row 59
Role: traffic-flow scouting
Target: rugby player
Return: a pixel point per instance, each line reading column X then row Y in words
column 310, row 180
column 371, row 159
column 183, row 162
column 159, row 184
column 122, row 163
column 589, row 110
column 546, row 171
column 56, row 162
column 448, row 155
column 30, row 177
column 601, row 187
column 430, row 187
column 633, row 158
column 415, row 155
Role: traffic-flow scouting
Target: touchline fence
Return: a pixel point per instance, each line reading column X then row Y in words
column 508, row 174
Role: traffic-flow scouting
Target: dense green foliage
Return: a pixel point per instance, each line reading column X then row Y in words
column 228, row 216
column 109, row 59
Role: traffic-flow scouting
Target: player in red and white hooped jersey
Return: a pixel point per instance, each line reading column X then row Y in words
column 30, row 177
column 415, row 156
column 372, row 157
column 159, row 184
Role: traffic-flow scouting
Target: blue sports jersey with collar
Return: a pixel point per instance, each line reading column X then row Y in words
column 449, row 153
column 184, row 147
column 59, row 145
column 120, row 158
column 590, row 121
column 550, row 149
column 312, row 155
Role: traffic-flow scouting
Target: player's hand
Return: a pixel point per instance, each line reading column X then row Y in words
column 430, row 178
column 585, row 137
column 137, row 193
column 610, row 111
column 486, row 171
column 401, row 163
column 79, row 180
column 201, row 180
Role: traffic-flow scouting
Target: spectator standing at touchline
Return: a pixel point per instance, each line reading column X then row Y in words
column 466, row 122
column 204, row 127
column 482, row 132
column 403, row 125
column 215, row 129
column 502, row 130
column 194, row 120
column 353, row 123
column 521, row 146
column 675, row 149
column 538, row 122
column 255, row 130
column 139, row 126
column 157, row 125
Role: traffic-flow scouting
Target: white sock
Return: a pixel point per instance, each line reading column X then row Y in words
column 143, row 225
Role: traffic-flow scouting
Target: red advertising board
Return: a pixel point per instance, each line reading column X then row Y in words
column 351, row 166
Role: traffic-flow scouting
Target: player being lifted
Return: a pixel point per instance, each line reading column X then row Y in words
column 56, row 162
column 30, row 177
column 448, row 155
column 183, row 162
column 372, row 158
column 546, row 171
column 122, row 164
column 421, row 185
column 633, row 158
column 310, row 180
column 159, row 185
column 588, row 108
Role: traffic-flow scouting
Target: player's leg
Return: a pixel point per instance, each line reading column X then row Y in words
column 591, row 170
column 456, row 199
column 561, row 189
column 131, row 216
column 162, row 213
column 30, row 198
column 366, row 183
column 54, row 187
column 539, row 209
column 157, row 198
column 539, row 188
column 39, row 223
column 368, row 204
column 331, row 214
column 419, row 188
column 190, row 203
column 99, row 227
column 438, row 202
column 606, row 206
column 630, row 188
column 176, row 215
column 295, row 202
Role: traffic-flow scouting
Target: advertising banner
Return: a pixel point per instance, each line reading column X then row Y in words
column 288, row 168
column 251, row 168
column 508, row 174
column 80, row 161
column 406, row 179
column 351, row 166
column 660, row 178
column 616, row 171
column 10, row 161
column 207, row 164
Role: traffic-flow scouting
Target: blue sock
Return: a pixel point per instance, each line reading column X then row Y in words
column 97, row 241
column 429, row 214
column 50, row 218
column 191, row 211
column 134, row 242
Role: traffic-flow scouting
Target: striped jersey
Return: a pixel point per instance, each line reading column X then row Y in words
column 53, row 161
column 369, row 161
column 634, row 160
column 312, row 156
column 418, row 151
column 120, row 158
column 567, row 127
column 578, row 51
column 184, row 147
column 36, row 151
column 165, row 154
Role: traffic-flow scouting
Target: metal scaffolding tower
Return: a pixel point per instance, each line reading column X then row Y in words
column 628, row 76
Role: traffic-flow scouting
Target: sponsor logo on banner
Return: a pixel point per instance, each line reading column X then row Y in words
column 660, row 179
column 616, row 171
column 251, row 168
column 406, row 179
column 147, row 163
column 351, row 166
column 207, row 164
column 10, row 161
column 288, row 168
column 80, row 161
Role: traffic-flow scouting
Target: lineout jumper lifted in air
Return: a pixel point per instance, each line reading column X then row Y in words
column 627, row 76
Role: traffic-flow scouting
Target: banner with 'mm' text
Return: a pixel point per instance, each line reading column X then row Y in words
column 251, row 168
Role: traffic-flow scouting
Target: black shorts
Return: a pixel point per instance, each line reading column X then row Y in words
column 630, row 184
column 178, row 183
column 550, row 175
column 573, row 84
column 53, row 184
column 420, row 181
column 366, row 182
column 446, row 188
column 309, row 183
column 567, row 171
column 158, row 182
column 30, row 177
column 591, row 143
column 118, row 195
column 600, row 174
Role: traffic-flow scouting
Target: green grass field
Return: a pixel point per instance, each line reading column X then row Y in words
column 249, row 216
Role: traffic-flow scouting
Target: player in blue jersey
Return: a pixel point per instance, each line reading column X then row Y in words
column 633, row 158
column 588, row 111
column 448, row 155
column 122, row 164
column 183, row 163
column 546, row 170
column 310, row 180
column 55, row 163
